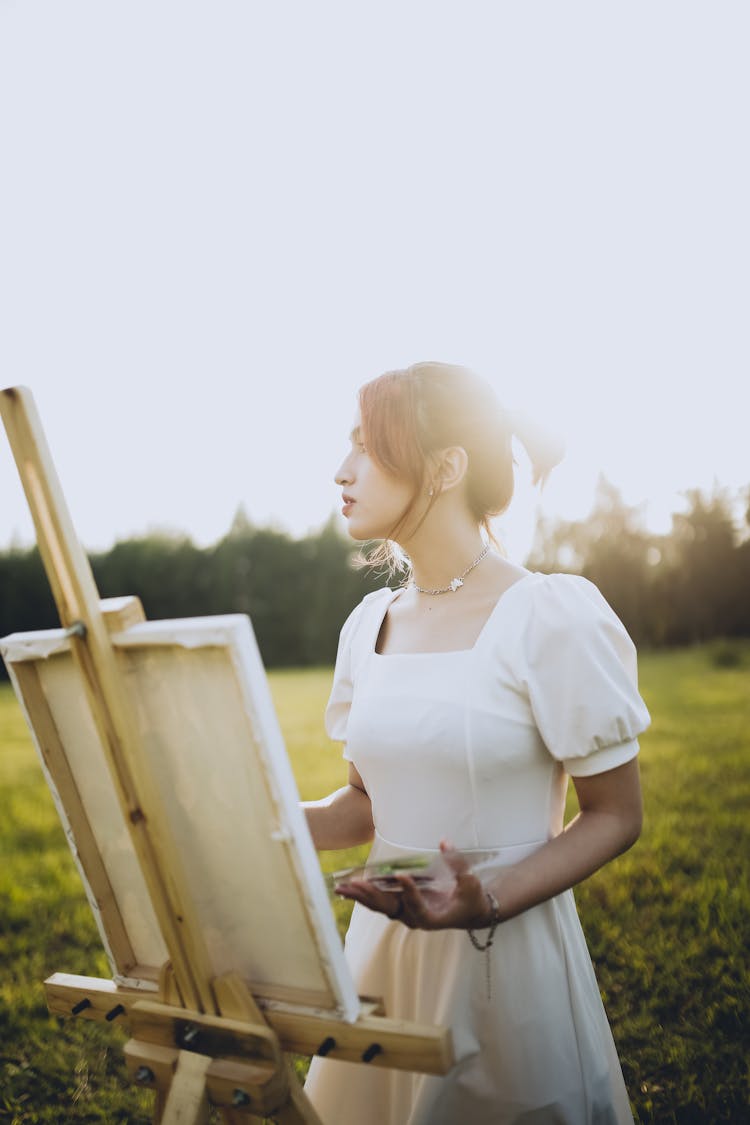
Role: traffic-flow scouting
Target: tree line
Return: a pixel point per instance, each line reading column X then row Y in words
column 691, row 584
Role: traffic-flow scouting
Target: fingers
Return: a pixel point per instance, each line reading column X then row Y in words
column 454, row 860
column 468, row 886
column 434, row 910
column 415, row 913
column 362, row 891
column 455, row 907
column 406, row 905
column 454, row 902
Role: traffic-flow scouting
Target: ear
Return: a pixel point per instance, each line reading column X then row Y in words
column 451, row 468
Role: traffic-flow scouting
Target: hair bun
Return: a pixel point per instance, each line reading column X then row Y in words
column 545, row 448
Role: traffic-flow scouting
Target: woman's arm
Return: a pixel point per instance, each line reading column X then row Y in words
column 344, row 818
column 609, row 823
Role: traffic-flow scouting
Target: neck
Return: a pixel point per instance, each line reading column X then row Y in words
column 440, row 553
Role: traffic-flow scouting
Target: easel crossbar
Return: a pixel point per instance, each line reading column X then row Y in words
column 403, row 1045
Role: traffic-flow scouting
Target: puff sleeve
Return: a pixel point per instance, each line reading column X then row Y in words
column 581, row 677
column 342, row 689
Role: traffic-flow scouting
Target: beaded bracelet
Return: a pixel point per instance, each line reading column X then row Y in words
column 493, row 924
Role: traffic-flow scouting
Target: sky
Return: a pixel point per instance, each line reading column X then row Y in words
column 218, row 219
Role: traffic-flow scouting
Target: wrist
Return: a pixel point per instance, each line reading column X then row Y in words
column 492, row 916
column 489, row 919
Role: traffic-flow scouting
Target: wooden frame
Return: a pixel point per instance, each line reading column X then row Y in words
column 202, row 1029
column 197, row 685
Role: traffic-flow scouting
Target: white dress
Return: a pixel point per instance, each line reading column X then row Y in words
column 476, row 746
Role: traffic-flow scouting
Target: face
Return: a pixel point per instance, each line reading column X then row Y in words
column 373, row 500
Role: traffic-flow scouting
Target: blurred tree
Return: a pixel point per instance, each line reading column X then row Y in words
column 166, row 571
column 258, row 572
column 26, row 600
column 689, row 585
column 241, row 523
column 334, row 587
column 706, row 584
column 613, row 549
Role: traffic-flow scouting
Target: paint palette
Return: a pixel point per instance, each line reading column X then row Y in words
column 427, row 870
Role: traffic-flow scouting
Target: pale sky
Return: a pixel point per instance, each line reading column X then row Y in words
column 219, row 218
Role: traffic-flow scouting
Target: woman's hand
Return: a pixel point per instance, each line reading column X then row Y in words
column 463, row 905
column 608, row 823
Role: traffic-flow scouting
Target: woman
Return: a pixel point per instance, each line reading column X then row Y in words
column 466, row 699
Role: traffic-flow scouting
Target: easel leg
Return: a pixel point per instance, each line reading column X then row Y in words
column 296, row 1111
column 299, row 1109
column 186, row 1102
column 159, row 1104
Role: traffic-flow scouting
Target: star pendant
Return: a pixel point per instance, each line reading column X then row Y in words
column 456, row 583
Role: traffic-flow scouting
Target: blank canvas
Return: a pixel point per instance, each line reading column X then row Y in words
column 206, row 719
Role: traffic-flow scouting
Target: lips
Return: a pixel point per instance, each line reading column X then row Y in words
column 347, row 505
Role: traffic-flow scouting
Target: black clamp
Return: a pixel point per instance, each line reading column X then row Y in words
column 190, row 1036
column 77, row 629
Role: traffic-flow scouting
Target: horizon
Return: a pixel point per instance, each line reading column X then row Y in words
column 516, row 528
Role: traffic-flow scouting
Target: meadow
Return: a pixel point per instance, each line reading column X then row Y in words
column 666, row 923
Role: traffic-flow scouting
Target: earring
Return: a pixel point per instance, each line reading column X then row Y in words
column 431, row 492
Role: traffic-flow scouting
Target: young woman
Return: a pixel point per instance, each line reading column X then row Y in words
column 465, row 699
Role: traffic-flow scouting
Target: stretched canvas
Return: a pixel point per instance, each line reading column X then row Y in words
column 205, row 717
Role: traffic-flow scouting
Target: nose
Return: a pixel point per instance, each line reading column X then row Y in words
column 344, row 473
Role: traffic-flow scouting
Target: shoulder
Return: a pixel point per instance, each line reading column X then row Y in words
column 579, row 667
column 371, row 605
column 563, row 585
column 370, row 602
column 566, row 613
column 358, row 633
column 381, row 595
column 561, row 597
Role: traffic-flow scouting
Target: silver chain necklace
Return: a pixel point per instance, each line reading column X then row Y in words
column 457, row 582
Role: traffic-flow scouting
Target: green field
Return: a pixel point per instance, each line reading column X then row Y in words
column 667, row 923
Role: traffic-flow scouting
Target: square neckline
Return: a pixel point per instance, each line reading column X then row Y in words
column 447, row 651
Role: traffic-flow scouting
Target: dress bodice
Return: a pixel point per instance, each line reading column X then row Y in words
column 476, row 745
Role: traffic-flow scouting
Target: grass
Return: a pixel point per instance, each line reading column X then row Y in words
column 666, row 923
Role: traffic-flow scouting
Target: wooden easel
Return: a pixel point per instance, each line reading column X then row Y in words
column 197, row 1038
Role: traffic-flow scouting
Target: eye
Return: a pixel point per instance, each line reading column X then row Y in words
column 355, row 437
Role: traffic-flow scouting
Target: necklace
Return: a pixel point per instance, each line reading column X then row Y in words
column 457, row 582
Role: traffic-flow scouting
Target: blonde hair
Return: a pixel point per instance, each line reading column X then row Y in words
column 410, row 415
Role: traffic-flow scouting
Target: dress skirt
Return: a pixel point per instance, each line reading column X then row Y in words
column 529, row 1029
